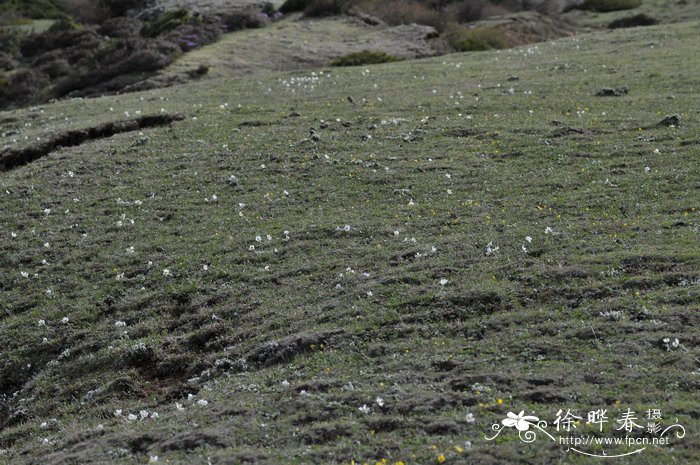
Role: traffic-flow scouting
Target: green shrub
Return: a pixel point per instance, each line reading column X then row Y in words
column 317, row 7
column 365, row 57
column 64, row 24
column 245, row 20
column 35, row 9
column 165, row 22
column 269, row 8
column 609, row 5
column 290, row 6
column 479, row 39
column 120, row 7
column 11, row 40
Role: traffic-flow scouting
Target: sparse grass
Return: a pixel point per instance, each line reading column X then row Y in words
column 289, row 339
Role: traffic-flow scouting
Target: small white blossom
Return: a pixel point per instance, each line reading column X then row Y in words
column 491, row 249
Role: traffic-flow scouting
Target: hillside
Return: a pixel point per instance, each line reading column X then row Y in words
column 257, row 270
column 55, row 49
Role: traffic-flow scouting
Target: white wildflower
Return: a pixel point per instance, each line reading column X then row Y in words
column 491, row 249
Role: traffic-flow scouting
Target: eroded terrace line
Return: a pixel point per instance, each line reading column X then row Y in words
column 14, row 158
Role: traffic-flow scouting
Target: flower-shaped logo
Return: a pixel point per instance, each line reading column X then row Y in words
column 520, row 421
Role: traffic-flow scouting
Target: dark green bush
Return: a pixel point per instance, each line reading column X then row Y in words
column 365, row 57
column 290, row 6
column 475, row 40
column 609, row 5
column 11, row 39
column 269, row 8
column 317, row 7
column 64, row 24
column 36, row 9
column 633, row 21
column 245, row 20
column 119, row 7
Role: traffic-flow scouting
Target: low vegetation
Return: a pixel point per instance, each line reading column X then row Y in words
column 286, row 276
column 166, row 22
column 478, row 39
column 633, row 21
column 317, row 8
column 609, row 5
column 365, row 57
column 34, row 9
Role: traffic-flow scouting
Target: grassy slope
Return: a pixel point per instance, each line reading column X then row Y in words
column 525, row 328
column 297, row 43
column 665, row 11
